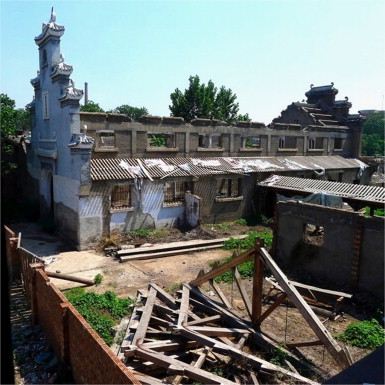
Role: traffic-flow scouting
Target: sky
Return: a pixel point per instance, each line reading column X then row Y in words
column 267, row 52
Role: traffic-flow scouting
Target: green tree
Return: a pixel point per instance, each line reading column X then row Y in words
column 135, row 113
column 205, row 101
column 373, row 135
column 91, row 107
column 8, row 116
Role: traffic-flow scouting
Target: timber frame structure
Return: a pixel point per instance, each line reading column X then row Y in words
column 175, row 338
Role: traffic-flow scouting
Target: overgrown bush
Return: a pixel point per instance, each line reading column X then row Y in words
column 101, row 311
column 364, row 334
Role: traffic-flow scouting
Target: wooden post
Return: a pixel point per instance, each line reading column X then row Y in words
column 32, row 291
column 256, row 311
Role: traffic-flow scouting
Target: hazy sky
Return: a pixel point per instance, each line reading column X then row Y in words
column 267, row 52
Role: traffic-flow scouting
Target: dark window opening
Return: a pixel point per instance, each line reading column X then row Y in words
column 174, row 191
column 281, row 142
column 121, row 197
column 337, row 143
column 229, row 188
column 313, row 234
column 106, row 140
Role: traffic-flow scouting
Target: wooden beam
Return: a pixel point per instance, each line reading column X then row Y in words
column 71, row 278
column 253, row 377
column 145, row 319
column 170, row 345
column 242, row 290
column 144, row 169
column 222, row 268
column 308, row 314
column 184, row 306
column 250, row 359
column 277, row 302
column 204, row 320
column 241, row 343
column 164, row 296
column 257, row 285
column 220, row 294
column 218, row 331
column 304, row 344
column 190, row 371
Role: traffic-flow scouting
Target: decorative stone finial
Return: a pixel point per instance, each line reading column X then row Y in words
column 61, row 60
column 53, row 16
column 332, row 84
column 311, row 85
column 346, row 98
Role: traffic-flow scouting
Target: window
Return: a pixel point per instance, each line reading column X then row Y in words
column 106, row 140
column 281, row 142
column 121, row 197
column 161, row 140
column 251, row 142
column 45, row 105
column 337, row 143
column 174, row 191
column 210, row 141
column 311, row 143
column 229, row 188
column 313, row 234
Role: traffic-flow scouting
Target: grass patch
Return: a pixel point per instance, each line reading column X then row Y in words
column 101, row 311
column 379, row 212
column 364, row 334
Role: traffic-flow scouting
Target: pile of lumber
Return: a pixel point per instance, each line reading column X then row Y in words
column 195, row 338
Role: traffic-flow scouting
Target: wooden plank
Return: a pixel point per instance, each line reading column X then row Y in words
column 164, row 296
column 184, row 306
column 272, row 307
column 71, row 278
column 227, row 341
column 257, row 286
column 220, row 294
column 170, row 345
column 194, row 373
column 253, row 378
column 241, row 343
column 145, row 319
column 160, row 321
column 204, row 320
column 242, row 290
column 304, row 344
column 175, row 245
column 218, row 331
column 308, row 314
column 222, row 268
column 165, row 253
column 250, row 359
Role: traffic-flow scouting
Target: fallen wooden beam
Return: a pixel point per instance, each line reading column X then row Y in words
column 218, row 331
column 204, row 320
column 319, row 329
column 220, row 294
column 165, row 253
column 242, row 290
column 71, row 278
column 235, row 261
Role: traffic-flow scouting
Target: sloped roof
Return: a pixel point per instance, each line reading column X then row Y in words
column 345, row 190
column 130, row 168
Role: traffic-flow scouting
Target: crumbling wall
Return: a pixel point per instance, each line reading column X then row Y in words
column 347, row 251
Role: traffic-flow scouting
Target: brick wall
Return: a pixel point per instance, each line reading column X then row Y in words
column 71, row 337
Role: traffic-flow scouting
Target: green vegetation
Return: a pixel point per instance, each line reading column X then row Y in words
column 101, row 311
column 379, row 212
column 158, row 140
column 373, row 135
column 278, row 356
column 245, row 269
column 205, row 101
column 98, row 279
column 135, row 113
column 91, row 107
column 364, row 334
column 140, row 233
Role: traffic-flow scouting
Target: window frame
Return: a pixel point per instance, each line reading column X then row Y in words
column 117, row 197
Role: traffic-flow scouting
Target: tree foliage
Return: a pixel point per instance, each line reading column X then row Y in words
column 373, row 135
column 8, row 116
column 91, row 107
column 135, row 113
column 205, row 101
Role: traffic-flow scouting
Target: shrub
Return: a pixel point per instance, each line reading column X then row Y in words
column 241, row 221
column 364, row 334
column 101, row 311
column 98, row 279
column 141, row 233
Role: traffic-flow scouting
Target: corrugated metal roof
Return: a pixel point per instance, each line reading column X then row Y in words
column 352, row 191
column 129, row 168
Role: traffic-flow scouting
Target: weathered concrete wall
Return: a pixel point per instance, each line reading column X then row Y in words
column 131, row 137
column 333, row 261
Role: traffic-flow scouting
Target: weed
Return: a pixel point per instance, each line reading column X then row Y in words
column 364, row 334
column 113, row 284
column 120, row 337
column 174, row 287
column 225, row 226
column 241, row 221
column 98, row 279
column 379, row 212
column 101, row 311
column 140, row 233
column 159, row 233
column 278, row 356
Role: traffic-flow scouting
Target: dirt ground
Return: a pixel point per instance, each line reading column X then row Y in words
column 285, row 324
